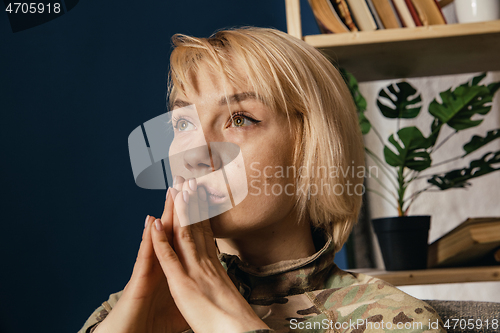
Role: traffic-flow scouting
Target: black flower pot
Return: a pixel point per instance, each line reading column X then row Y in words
column 403, row 241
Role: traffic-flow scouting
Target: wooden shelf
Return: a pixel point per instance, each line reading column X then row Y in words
column 436, row 275
column 414, row 52
column 407, row 52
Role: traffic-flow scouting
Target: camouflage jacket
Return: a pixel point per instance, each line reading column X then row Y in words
column 313, row 295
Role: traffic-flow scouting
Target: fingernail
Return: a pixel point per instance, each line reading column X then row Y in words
column 175, row 180
column 146, row 222
column 192, row 184
column 173, row 193
column 202, row 195
column 158, row 225
column 185, row 195
column 168, row 191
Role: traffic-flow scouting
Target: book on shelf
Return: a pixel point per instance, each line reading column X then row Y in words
column 440, row 11
column 326, row 16
column 339, row 16
column 470, row 241
column 400, row 23
column 340, row 6
column 374, row 13
column 404, row 13
column 429, row 12
column 413, row 13
column 386, row 13
column 362, row 15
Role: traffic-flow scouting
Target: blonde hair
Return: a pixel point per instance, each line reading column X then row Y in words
column 292, row 77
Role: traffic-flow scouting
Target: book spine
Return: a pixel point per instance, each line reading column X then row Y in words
column 413, row 13
column 374, row 13
column 430, row 10
column 418, row 5
column 326, row 17
column 396, row 14
column 353, row 16
column 337, row 26
column 386, row 13
column 361, row 13
column 440, row 11
column 345, row 15
column 322, row 28
column 404, row 13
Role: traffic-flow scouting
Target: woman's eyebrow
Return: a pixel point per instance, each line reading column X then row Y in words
column 233, row 99
column 240, row 97
column 180, row 103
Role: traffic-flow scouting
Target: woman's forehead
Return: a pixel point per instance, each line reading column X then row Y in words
column 210, row 78
column 205, row 81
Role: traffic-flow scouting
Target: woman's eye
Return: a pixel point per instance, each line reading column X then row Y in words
column 183, row 125
column 240, row 121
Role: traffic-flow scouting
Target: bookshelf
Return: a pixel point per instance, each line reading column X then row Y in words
column 435, row 275
column 407, row 52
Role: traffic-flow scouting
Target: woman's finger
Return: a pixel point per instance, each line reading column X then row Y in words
column 191, row 187
column 167, row 218
column 204, row 227
column 146, row 258
column 167, row 208
column 184, row 242
column 208, row 234
column 168, row 259
column 178, row 183
column 203, row 203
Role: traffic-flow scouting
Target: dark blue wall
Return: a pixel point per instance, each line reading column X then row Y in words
column 71, row 91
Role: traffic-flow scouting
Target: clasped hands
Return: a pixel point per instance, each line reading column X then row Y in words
column 178, row 282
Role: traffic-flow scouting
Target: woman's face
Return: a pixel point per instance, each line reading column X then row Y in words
column 266, row 144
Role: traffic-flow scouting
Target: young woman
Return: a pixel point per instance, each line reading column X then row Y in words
column 297, row 195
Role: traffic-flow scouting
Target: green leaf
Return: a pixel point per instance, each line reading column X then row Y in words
column 436, row 126
column 413, row 153
column 401, row 104
column 477, row 142
column 364, row 123
column 459, row 105
column 352, row 83
column 477, row 79
column 493, row 87
column 459, row 178
column 359, row 100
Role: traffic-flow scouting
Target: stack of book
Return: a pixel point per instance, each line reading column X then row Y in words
column 339, row 16
column 475, row 241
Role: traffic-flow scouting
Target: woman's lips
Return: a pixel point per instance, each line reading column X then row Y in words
column 214, row 196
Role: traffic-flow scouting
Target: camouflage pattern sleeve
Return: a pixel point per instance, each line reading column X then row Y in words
column 356, row 303
column 374, row 306
column 100, row 313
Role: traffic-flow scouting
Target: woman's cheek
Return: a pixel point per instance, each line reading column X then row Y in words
column 236, row 177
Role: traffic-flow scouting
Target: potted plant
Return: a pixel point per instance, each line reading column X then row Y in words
column 408, row 152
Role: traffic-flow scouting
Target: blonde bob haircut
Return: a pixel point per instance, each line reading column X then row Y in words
column 292, row 77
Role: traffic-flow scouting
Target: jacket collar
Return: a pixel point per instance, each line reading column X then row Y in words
column 270, row 283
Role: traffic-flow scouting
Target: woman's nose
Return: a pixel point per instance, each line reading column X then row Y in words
column 201, row 161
